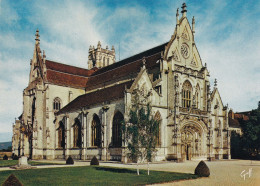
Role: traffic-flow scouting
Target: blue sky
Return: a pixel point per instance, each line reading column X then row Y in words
column 227, row 37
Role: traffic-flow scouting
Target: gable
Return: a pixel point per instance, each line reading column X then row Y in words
column 182, row 49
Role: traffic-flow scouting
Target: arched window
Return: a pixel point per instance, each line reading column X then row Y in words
column 197, row 96
column 77, row 140
column 61, row 136
column 186, row 94
column 107, row 61
column 96, row 132
column 56, row 104
column 157, row 117
column 116, row 130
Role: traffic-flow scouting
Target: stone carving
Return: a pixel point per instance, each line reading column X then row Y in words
column 185, row 50
column 175, row 55
column 193, row 62
column 185, row 34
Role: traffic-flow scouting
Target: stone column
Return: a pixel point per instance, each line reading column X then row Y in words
column 67, row 136
column 104, row 136
column 84, row 136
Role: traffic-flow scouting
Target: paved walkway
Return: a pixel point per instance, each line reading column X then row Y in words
column 222, row 172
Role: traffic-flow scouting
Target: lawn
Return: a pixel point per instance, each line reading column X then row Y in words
column 8, row 163
column 92, row 175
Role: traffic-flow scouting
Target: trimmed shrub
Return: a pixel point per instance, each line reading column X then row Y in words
column 12, row 180
column 70, row 161
column 202, row 169
column 5, row 157
column 94, row 161
column 15, row 157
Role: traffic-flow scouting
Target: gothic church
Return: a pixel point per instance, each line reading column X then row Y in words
column 71, row 111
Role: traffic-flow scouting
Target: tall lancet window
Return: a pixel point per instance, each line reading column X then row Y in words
column 186, row 94
column 96, row 132
column 77, row 134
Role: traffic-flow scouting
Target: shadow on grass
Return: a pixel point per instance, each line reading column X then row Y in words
column 118, row 170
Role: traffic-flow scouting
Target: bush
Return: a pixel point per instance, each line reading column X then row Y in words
column 94, row 161
column 5, row 157
column 202, row 169
column 15, row 157
column 12, row 180
column 70, row 161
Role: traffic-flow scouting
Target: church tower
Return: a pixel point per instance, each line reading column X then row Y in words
column 100, row 57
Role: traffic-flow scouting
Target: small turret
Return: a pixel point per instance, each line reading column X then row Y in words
column 177, row 17
column 99, row 45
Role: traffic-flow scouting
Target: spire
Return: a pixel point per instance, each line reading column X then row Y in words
column 184, row 10
column 215, row 83
column 193, row 25
column 177, row 16
column 37, row 38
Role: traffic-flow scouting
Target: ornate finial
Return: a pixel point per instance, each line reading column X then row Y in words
column 205, row 65
column 113, row 48
column 144, row 61
column 177, row 16
column 107, row 47
column 90, row 47
column 215, row 83
column 37, row 39
column 193, row 24
column 184, row 10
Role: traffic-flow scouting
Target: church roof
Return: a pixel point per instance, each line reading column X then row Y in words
column 123, row 70
column 66, row 75
column 55, row 66
column 133, row 58
column 97, row 97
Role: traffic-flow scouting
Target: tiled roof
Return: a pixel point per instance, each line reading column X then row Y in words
column 134, row 58
column 97, row 97
column 55, row 66
column 123, row 69
column 63, row 79
column 66, row 75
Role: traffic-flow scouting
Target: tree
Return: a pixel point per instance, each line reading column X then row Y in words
column 141, row 130
column 251, row 133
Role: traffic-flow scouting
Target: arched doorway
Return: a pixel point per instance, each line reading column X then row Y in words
column 192, row 142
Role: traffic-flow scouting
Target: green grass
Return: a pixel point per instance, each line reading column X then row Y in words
column 8, row 163
column 92, row 175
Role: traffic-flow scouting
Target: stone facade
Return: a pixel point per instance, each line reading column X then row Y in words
column 76, row 112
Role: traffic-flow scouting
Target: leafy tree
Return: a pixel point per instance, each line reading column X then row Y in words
column 141, row 130
column 251, row 133
column 236, row 147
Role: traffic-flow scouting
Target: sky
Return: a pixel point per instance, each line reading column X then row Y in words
column 226, row 35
